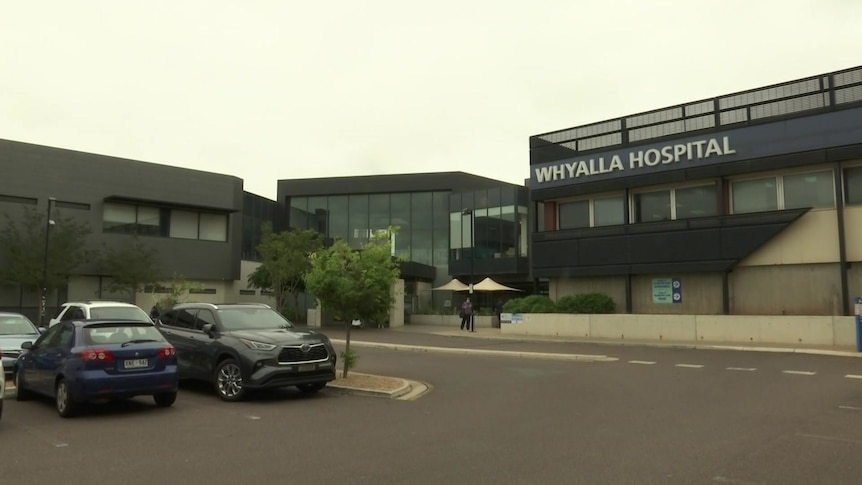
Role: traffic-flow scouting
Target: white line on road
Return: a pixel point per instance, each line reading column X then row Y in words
column 253, row 417
column 799, row 372
column 644, row 362
column 747, row 369
column 690, row 366
column 852, row 408
column 853, row 376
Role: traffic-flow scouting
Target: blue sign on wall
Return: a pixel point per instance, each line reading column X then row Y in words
column 778, row 138
column 666, row 290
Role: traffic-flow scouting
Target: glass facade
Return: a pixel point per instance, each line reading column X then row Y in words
column 256, row 210
column 494, row 226
column 420, row 218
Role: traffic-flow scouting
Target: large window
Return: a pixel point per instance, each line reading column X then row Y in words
column 675, row 203
column 794, row 191
column 154, row 221
column 853, row 186
column 605, row 211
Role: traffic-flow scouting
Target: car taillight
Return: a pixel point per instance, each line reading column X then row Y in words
column 97, row 354
column 166, row 352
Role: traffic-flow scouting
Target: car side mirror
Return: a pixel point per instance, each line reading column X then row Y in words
column 27, row 345
column 210, row 330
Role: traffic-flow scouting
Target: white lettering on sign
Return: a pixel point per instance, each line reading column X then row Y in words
column 668, row 154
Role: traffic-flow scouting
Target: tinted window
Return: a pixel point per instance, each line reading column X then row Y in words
column 168, row 317
column 119, row 313
column 47, row 336
column 755, row 195
column 117, row 334
column 574, row 214
column 204, row 317
column 16, row 325
column 653, row 206
column 252, row 318
column 609, row 211
column 185, row 319
column 62, row 337
column 696, row 202
column 809, row 190
column 74, row 313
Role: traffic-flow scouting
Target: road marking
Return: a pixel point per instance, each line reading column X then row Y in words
column 690, row 366
column 644, row 362
column 747, row 369
column 799, row 372
column 830, row 438
column 853, row 376
column 852, row 408
column 253, row 417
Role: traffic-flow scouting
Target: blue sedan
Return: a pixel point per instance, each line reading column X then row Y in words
column 75, row 362
column 15, row 329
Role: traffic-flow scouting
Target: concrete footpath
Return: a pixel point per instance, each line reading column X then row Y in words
column 431, row 338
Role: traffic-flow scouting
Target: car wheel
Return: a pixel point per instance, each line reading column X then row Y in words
column 228, row 381
column 66, row 407
column 312, row 387
column 165, row 399
column 21, row 394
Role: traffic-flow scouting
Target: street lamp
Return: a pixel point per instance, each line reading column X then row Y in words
column 469, row 212
column 43, row 302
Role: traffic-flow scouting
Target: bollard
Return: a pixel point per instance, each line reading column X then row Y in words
column 859, row 324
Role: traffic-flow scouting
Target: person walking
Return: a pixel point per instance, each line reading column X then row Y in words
column 466, row 313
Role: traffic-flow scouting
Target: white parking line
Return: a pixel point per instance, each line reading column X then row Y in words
column 747, row 369
column 690, row 366
column 799, row 372
column 644, row 362
column 851, row 408
column 853, row 376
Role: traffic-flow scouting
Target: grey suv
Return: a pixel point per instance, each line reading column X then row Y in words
column 246, row 346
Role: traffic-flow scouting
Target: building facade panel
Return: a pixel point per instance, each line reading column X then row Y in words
column 738, row 189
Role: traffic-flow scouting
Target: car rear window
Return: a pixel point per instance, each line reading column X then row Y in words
column 119, row 333
column 119, row 313
column 15, row 325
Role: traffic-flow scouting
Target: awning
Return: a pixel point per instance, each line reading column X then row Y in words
column 454, row 285
column 490, row 285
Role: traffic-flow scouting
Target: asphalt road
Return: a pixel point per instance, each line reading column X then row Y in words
column 653, row 415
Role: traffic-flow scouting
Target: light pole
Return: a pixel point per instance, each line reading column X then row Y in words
column 469, row 212
column 43, row 302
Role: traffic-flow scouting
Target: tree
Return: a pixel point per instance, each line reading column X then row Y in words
column 22, row 249
column 175, row 290
column 285, row 260
column 132, row 266
column 354, row 284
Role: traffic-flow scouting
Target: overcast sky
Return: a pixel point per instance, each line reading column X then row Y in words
column 278, row 89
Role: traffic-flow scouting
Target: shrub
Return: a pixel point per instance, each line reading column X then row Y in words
column 530, row 304
column 586, row 303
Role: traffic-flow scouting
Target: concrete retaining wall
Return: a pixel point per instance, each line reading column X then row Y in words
column 796, row 330
column 449, row 320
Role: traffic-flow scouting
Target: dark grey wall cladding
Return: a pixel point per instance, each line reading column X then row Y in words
column 370, row 184
column 679, row 246
column 40, row 172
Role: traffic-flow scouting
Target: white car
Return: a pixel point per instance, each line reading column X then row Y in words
column 97, row 309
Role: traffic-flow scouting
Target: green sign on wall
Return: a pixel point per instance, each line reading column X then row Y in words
column 666, row 290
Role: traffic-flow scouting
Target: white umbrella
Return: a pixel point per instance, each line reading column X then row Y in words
column 490, row 285
column 454, row 285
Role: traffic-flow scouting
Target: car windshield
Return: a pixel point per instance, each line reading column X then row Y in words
column 16, row 325
column 252, row 318
column 119, row 334
column 119, row 313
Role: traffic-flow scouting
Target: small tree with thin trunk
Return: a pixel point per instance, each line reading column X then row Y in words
column 285, row 260
column 354, row 284
column 132, row 266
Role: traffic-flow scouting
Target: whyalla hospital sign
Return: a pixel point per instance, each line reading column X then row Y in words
column 777, row 138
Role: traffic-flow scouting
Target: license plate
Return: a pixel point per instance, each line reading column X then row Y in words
column 136, row 363
column 306, row 367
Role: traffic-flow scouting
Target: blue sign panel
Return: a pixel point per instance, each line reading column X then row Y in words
column 815, row 132
column 676, row 290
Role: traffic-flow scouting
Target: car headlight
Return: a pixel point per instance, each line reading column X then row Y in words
column 257, row 345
